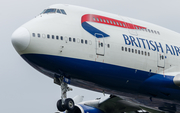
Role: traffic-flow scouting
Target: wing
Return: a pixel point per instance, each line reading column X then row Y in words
column 117, row 104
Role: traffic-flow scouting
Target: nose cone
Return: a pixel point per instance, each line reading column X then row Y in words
column 20, row 39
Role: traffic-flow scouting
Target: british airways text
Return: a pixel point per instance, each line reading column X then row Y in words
column 151, row 45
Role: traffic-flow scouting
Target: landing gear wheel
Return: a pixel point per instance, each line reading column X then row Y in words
column 60, row 107
column 64, row 103
column 69, row 104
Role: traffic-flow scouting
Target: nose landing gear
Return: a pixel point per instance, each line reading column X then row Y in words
column 64, row 103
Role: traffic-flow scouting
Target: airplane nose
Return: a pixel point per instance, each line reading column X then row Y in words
column 20, row 39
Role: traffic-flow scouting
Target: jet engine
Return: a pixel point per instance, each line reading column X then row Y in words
column 84, row 109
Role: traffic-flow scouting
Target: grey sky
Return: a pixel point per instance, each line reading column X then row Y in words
column 22, row 88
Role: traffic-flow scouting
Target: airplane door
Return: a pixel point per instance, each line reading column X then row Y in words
column 160, row 60
column 100, row 44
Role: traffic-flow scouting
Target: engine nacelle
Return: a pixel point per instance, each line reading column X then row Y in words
column 85, row 109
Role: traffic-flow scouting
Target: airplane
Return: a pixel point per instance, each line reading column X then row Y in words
column 135, row 62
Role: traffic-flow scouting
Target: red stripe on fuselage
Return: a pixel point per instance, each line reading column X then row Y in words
column 109, row 21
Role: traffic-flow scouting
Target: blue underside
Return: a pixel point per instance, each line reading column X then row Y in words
column 107, row 75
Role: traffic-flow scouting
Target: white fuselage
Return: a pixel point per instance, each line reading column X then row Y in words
column 124, row 60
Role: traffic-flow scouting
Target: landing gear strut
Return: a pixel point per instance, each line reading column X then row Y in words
column 64, row 103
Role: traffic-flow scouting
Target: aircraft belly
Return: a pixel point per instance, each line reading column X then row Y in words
column 114, row 77
column 89, row 70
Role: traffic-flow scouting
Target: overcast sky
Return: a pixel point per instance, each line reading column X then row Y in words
column 25, row 90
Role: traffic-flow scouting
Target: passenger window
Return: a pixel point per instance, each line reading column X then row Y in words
column 94, row 19
column 74, row 40
column 125, row 48
column 101, row 44
column 34, row 35
column 58, row 11
column 155, row 32
column 149, row 30
column 52, row 36
column 139, row 52
column 100, row 19
column 61, row 37
column 120, row 24
column 124, row 25
column 162, row 57
column 122, row 48
column 148, row 54
column 57, row 37
column 69, row 39
column 136, row 51
column 39, row 35
column 97, row 19
column 107, row 21
column 86, row 41
column 104, row 20
column 108, row 45
column 82, row 41
column 132, row 50
column 114, row 23
column 152, row 31
column 117, row 23
column 63, row 12
column 142, row 52
column 145, row 53
column 110, row 21
column 129, row 50
column 48, row 36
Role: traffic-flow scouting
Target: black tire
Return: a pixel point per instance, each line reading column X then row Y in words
column 69, row 104
column 59, row 106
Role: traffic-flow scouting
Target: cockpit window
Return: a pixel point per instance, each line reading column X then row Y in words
column 50, row 11
column 43, row 11
column 53, row 10
column 63, row 12
column 58, row 11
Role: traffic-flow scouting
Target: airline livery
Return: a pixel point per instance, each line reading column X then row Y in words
column 135, row 62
